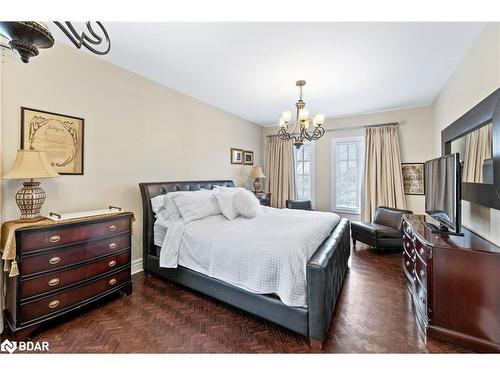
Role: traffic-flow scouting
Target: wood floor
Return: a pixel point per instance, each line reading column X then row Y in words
column 373, row 316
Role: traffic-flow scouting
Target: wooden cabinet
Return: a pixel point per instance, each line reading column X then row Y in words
column 454, row 283
column 264, row 198
column 66, row 266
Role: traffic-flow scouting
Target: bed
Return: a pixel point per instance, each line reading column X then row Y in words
column 325, row 272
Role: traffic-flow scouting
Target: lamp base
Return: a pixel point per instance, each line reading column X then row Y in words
column 30, row 199
column 256, row 185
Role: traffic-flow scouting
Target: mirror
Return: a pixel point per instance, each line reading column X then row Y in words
column 475, row 149
column 476, row 137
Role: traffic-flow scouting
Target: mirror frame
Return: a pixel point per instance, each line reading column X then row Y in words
column 488, row 110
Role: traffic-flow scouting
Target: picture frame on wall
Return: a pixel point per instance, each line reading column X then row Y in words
column 413, row 178
column 247, row 157
column 236, row 156
column 60, row 136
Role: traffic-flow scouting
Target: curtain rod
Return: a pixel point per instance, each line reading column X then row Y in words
column 355, row 127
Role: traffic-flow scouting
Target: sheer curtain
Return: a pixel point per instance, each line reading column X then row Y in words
column 383, row 176
column 280, row 181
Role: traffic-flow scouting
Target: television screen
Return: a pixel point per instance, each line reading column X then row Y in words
column 442, row 186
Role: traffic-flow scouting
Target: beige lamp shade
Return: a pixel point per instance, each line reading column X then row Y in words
column 31, row 164
column 257, row 172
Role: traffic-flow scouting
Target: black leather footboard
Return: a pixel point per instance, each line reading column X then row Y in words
column 325, row 273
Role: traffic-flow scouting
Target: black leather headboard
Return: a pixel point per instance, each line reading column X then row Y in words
column 152, row 189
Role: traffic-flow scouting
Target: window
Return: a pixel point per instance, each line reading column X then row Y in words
column 347, row 174
column 304, row 167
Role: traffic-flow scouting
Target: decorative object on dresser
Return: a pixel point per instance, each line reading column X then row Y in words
column 385, row 232
column 454, row 284
column 59, row 267
column 299, row 204
column 300, row 130
column 247, row 157
column 257, row 174
column 263, row 197
column 30, row 164
column 236, row 156
column 59, row 136
column 413, row 178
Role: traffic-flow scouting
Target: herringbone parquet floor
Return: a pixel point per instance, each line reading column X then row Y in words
column 373, row 316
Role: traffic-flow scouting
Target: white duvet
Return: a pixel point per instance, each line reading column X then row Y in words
column 264, row 255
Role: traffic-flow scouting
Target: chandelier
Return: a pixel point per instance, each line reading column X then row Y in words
column 26, row 37
column 302, row 124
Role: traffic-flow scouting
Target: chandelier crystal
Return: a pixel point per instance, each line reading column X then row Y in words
column 301, row 128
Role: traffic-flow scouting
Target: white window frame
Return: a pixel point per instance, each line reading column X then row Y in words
column 336, row 141
column 312, row 171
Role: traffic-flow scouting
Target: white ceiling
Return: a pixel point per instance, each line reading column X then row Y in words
column 250, row 69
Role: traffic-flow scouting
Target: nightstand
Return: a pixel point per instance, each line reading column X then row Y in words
column 263, row 197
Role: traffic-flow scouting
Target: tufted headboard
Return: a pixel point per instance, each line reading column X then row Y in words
column 152, row 189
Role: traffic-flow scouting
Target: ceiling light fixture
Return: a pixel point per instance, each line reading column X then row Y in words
column 26, row 37
column 302, row 123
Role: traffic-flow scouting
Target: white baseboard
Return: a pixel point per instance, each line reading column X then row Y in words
column 136, row 266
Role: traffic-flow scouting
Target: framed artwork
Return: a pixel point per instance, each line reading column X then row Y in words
column 413, row 178
column 247, row 157
column 236, row 156
column 59, row 136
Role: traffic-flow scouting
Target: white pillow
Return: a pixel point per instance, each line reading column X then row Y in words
column 197, row 205
column 225, row 199
column 247, row 204
column 170, row 211
column 158, row 203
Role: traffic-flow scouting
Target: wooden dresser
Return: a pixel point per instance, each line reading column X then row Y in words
column 454, row 283
column 63, row 267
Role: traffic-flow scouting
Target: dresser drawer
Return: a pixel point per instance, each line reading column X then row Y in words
column 66, row 256
column 57, row 280
column 66, row 234
column 61, row 301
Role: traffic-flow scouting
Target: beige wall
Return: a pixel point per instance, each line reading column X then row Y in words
column 414, row 133
column 477, row 76
column 135, row 130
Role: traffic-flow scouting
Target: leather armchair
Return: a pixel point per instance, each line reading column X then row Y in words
column 299, row 205
column 385, row 232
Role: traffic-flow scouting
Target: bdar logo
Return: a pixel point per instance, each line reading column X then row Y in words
column 8, row 346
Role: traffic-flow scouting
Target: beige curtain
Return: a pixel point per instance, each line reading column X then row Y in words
column 477, row 150
column 383, row 176
column 279, row 172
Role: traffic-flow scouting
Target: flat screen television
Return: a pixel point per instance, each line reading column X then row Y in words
column 443, row 193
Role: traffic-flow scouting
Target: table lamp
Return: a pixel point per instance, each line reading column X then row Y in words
column 30, row 164
column 257, row 174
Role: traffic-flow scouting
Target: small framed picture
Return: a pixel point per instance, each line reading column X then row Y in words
column 413, row 178
column 236, row 156
column 59, row 136
column 248, row 157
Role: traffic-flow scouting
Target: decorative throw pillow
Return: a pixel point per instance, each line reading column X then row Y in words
column 197, row 205
column 247, row 204
column 225, row 199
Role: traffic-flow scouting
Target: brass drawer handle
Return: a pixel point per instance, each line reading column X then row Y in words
column 54, row 304
column 422, row 273
column 53, row 282
column 421, row 251
column 112, row 263
column 112, row 282
column 112, row 228
column 54, row 260
column 55, row 238
column 407, row 263
column 112, row 245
